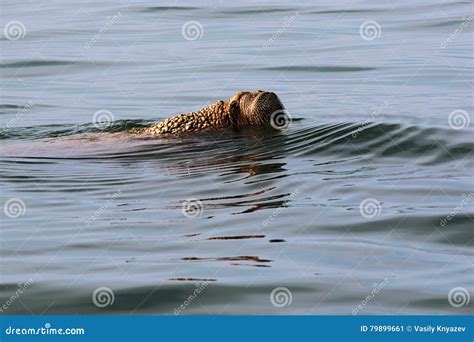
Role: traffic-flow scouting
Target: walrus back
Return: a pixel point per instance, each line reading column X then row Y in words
column 212, row 117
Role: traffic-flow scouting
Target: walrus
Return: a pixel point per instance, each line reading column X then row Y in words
column 243, row 109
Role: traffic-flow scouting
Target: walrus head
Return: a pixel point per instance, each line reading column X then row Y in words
column 253, row 108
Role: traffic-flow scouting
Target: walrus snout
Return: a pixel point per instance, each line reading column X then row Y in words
column 257, row 107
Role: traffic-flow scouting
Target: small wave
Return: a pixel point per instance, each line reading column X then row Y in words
column 368, row 140
column 310, row 68
column 257, row 10
column 152, row 9
column 56, row 131
column 34, row 63
column 347, row 11
column 251, row 258
column 236, row 237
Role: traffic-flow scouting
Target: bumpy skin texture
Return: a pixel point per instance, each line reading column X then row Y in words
column 214, row 116
column 244, row 108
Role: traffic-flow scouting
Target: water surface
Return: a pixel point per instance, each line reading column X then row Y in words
column 361, row 206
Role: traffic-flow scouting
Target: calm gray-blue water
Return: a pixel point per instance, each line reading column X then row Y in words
column 361, row 204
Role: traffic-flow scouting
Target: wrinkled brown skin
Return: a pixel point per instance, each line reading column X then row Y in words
column 242, row 109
